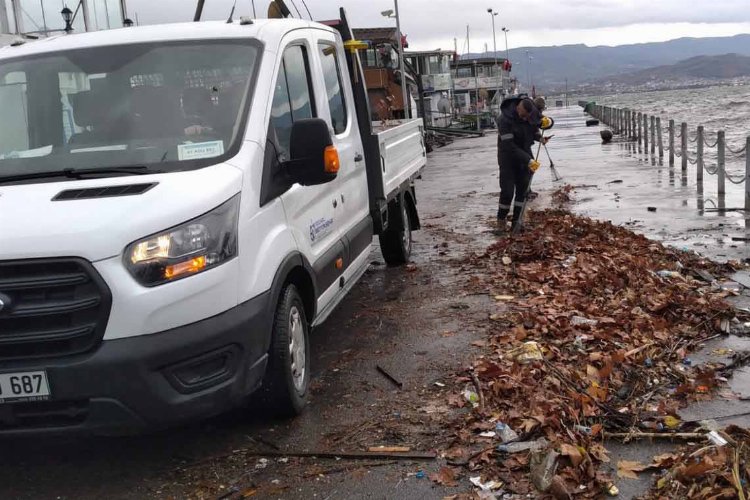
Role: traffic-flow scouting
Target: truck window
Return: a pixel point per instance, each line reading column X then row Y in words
column 332, row 76
column 14, row 103
column 292, row 99
column 175, row 106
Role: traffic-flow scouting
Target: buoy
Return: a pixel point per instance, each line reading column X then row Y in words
column 592, row 123
column 606, row 136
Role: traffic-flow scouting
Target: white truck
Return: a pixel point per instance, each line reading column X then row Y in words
column 179, row 206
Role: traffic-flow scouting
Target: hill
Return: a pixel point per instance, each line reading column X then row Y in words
column 550, row 66
column 699, row 67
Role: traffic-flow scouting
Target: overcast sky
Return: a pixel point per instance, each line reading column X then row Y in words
column 432, row 24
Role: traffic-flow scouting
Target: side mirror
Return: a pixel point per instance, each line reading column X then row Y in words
column 314, row 159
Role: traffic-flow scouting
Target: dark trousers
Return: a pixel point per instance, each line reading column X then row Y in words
column 514, row 182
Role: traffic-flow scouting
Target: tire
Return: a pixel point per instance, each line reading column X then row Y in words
column 396, row 243
column 288, row 374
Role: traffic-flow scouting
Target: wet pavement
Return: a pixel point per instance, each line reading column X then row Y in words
column 418, row 324
column 622, row 183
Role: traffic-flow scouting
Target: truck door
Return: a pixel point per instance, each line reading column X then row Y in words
column 337, row 107
column 310, row 210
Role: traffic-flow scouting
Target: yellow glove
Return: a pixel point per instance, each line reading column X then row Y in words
column 546, row 123
column 534, row 165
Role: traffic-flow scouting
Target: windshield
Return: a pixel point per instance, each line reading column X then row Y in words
column 166, row 106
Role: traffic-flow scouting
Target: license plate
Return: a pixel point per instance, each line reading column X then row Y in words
column 25, row 386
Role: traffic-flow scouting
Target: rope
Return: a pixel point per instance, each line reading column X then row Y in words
column 693, row 140
column 738, row 152
column 692, row 162
column 711, row 172
column 678, row 155
column 705, row 141
column 739, row 181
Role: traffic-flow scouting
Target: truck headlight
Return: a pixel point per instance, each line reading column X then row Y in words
column 190, row 248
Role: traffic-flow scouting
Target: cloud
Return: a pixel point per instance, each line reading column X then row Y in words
column 433, row 23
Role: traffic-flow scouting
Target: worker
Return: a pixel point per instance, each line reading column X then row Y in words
column 518, row 128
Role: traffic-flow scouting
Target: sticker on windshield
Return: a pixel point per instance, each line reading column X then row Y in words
column 198, row 150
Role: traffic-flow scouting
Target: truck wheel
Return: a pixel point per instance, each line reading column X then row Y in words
column 396, row 243
column 288, row 374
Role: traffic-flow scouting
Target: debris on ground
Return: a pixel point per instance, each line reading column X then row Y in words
column 594, row 342
column 721, row 470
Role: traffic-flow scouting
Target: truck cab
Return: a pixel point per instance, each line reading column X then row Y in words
column 179, row 206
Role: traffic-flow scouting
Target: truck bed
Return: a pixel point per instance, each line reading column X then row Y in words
column 401, row 156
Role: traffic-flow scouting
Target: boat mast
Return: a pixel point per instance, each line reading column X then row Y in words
column 4, row 26
column 17, row 16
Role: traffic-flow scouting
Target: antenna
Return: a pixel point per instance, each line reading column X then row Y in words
column 295, row 8
column 308, row 10
column 231, row 13
column 255, row 14
column 198, row 10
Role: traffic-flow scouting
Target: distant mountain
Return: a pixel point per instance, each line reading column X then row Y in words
column 550, row 66
column 700, row 67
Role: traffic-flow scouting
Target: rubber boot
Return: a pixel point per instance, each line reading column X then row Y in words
column 502, row 216
column 516, row 217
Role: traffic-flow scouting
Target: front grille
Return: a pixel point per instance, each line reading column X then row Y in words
column 51, row 307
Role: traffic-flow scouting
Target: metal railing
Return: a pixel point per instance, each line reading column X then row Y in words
column 647, row 131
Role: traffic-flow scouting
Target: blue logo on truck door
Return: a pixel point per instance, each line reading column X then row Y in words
column 320, row 228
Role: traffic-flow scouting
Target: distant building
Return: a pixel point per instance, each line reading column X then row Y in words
column 434, row 70
column 383, row 77
column 482, row 81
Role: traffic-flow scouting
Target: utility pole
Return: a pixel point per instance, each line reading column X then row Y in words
column 476, row 91
column 507, row 52
column 455, row 45
column 498, row 73
column 528, row 69
column 468, row 48
column 404, row 84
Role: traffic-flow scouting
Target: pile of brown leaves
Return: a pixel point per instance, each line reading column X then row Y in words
column 711, row 472
column 613, row 336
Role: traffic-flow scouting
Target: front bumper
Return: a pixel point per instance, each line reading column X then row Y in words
column 149, row 381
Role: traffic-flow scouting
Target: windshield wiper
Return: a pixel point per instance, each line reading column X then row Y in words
column 79, row 173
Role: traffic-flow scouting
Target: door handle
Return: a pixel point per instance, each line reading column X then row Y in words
column 358, row 157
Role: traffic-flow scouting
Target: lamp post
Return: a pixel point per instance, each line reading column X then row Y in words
column 498, row 73
column 528, row 69
column 67, row 16
column 389, row 14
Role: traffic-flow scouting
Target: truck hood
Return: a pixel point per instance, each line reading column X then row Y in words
column 32, row 225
